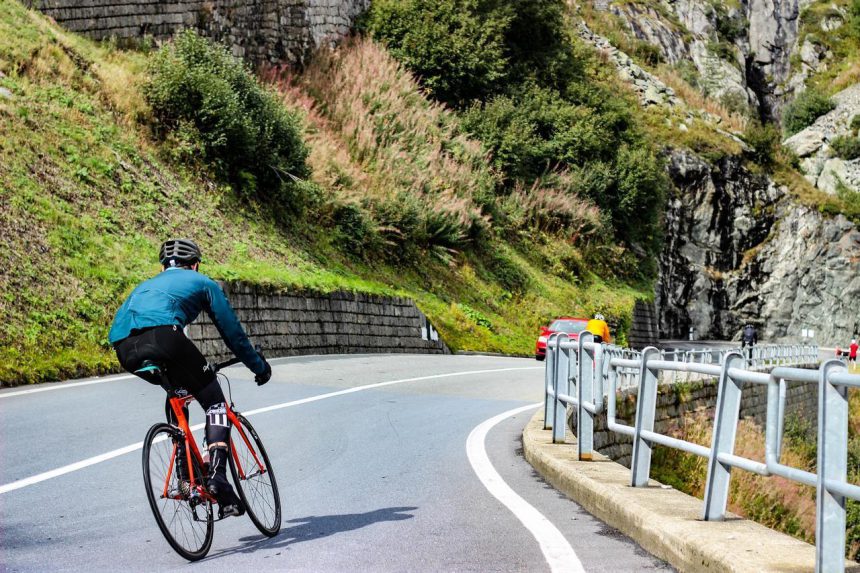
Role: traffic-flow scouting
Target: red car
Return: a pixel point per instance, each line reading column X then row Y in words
column 569, row 324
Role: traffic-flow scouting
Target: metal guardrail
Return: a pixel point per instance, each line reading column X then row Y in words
column 586, row 376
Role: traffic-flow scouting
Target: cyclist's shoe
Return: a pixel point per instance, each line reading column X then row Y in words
column 218, row 485
column 235, row 510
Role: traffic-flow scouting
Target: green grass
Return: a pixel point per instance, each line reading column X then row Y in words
column 87, row 196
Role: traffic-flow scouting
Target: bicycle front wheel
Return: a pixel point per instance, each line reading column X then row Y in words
column 187, row 523
column 254, row 478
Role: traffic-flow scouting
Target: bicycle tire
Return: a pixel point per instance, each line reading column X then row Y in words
column 264, row 503
column 185, row 518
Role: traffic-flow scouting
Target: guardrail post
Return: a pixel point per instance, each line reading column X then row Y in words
column 646, row 405
column 562, row 386
column 723, row 440
column 549, row 376
column 832, row 466
column 589, row 366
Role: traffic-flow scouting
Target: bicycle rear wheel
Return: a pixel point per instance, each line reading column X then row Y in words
column 187, row 524
column 254, row 479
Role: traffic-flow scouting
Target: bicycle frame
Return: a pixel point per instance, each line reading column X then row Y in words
column 239, row 469
column 178, row 404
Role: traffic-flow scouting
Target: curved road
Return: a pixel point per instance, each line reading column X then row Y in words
column 371, row 458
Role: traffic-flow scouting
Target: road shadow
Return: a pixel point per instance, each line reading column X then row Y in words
column 315, row 527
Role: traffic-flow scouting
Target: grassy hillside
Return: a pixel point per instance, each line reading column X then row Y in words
column 88, row 191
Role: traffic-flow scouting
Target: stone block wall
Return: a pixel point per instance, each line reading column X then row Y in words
column 644, row 329
column 674, row 402
column 289, row 324
column 261, row 31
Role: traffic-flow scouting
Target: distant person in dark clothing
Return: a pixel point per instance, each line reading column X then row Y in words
column 750, row 337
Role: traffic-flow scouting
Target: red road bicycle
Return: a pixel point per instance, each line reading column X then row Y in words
column 184, row 509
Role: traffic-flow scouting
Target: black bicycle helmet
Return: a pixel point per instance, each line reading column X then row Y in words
column 179, row 252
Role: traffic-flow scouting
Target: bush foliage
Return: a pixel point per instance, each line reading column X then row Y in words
column 465, row 50
column 764, row 142
column 804, row 110
column 210, row 102
column 541, row 114
column 846, row 146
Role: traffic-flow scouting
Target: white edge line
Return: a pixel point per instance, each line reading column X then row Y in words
column 64, row 385
column 556, row 549
column 24, row 482
column 49, row 386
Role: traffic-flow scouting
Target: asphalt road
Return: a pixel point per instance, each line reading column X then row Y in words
column 375, row 479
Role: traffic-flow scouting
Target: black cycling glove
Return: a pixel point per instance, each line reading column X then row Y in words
column 261, row 379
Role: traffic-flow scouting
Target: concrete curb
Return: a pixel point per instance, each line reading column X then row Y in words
column 664, row 521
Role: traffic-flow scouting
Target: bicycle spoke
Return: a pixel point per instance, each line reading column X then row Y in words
column 258, row 488
column 188, row 532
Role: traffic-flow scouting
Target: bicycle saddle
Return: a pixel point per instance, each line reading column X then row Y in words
column 150, row 367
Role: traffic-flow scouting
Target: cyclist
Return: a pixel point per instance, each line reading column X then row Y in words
column 149, row 326
column 598, row 327
column 749, row 337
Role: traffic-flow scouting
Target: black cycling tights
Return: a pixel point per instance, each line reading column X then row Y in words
column 186, row 368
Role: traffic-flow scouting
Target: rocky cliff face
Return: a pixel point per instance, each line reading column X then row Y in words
column 737, row 247
column 738, row 250
column 819, row 161
column 742, row 52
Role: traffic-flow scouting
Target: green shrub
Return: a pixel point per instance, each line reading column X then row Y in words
column 472, row 49
column 508, row 273
column 537, row 132
column 846, row 146
column 729, row 28
column 723, row 50
column 854, row 18
column 804, row 110
column 458, row 54
column 855, row 124
column 764, row 142
column 356, row 229
column 476, row 316
column 537, row 129
column 647, row 52
column 241, row 127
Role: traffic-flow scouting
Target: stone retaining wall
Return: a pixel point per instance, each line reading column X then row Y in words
column 289, row 324
column 645, row 327
column 272, row 31
column 676, row 401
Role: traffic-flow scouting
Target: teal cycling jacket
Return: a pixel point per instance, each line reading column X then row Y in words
column 175, row 297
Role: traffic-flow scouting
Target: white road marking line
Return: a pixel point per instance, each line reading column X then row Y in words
column 64, row 385
column 24, row 482
column 558, row 553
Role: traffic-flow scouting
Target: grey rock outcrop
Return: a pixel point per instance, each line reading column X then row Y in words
column 743, row 54
column 808, row 276
column 684, row 30
column 739, row 249
column 773, row 27
column 716, row 216
column 812, row 145
column 650, row 89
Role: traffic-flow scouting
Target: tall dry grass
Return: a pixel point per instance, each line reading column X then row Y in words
column 772, row 501
column 402, row 140
column 731, row 121
column 378, row 143
column 553, row 211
